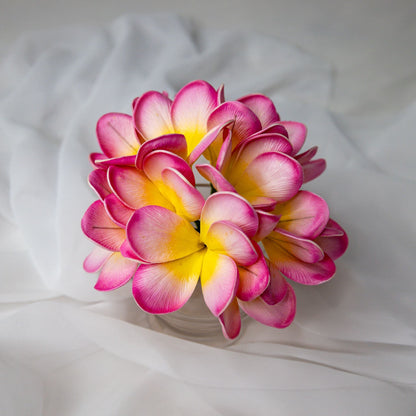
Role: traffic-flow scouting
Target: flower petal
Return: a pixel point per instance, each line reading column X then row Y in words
column 128, row 252
column 159, row 235
column 155, row 162
column 164, row 288
column 274, row 128
column 228, row 206
column 297, row 134
column 212, row 175
column 305, row 215
column 253, row 279
column 116, row 161
column 219, row 278
column 117, row 211
column 270, row 175
column 174, row 143
column 333, row 240
column 277, row 288
column 207, row 140
column 245, row 124
column 224, row 153
column 95, row 260
column 190, row 111
column 152, row 115
column 220, row 95
column 226, row 238
column 98, row 181
column 116, row 272
column 230, row 320
column 98, row 226
column 302, row 248
column 96, row 157
column 279, row 315
column 313, row 169
column 262, row 106
column 249, row 149
column 186, row 199
column 117, row 135
column 267, row 223
column 306, row 156
column 297, row 270
column 134, row 189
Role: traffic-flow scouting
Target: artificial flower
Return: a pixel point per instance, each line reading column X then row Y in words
column 175, row 255
column 244, row 242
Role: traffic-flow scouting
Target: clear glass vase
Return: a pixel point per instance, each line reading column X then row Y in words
column 194, row 322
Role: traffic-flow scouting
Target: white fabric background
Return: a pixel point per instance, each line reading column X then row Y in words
column 66, row 349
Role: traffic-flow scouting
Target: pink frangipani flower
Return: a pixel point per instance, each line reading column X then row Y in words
column 175, row 254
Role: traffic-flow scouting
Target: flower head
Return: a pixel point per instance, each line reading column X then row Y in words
column 243, row 242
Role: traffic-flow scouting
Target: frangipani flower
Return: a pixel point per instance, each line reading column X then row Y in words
column 305, row 241
column 175, row 255
column 241, row 243
column 164, row 180
column 255, row 115
column 156, row 115
column 258, row 169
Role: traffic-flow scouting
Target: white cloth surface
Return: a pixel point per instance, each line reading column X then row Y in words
column 66, row 349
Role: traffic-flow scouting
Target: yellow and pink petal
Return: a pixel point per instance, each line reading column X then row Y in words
column 219, row 279
column 206, row 142
column 228, row 206
column 166, row 287
column 134, row 188
column 158, row 235
column 245, row 123
column 190, row 111
column 302, row 248
column 269, row 175
column 226, row 238
column 297, row 270
column 184, row 197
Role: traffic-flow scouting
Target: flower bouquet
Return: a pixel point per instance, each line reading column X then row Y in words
column 242, row 243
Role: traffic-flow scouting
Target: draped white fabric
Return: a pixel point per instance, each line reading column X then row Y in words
column 66, row 349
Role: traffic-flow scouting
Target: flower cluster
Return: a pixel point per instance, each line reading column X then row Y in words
column 257, row 228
